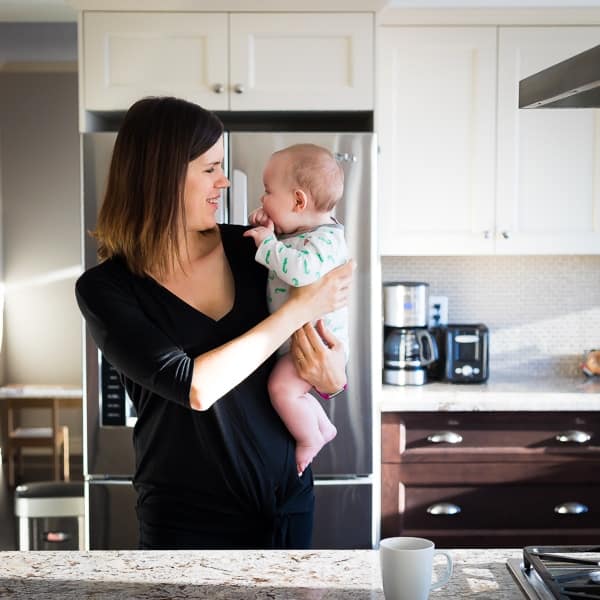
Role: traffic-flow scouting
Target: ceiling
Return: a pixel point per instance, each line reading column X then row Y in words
column 58, row 10
column 36, row 10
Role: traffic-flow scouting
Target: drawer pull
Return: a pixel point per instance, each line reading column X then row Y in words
column 578, row 437
column 445, row 437
column 571, row 508
column 443, row 508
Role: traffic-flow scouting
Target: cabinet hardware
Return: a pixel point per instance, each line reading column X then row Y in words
column 486, row 234
column 505, row 234
column 571, row 508
column 578, row 437
column 239, row 88
column 445, row 437
column 444, row 508
column 218, row 88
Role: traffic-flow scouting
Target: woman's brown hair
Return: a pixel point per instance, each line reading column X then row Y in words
column 142, row 213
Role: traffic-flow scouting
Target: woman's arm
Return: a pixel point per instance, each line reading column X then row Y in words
column 218, row 371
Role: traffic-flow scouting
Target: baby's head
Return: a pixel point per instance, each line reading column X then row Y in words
column 314, row 170
column 303, row 183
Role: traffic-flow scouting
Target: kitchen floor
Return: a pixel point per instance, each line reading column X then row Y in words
column 33, row 471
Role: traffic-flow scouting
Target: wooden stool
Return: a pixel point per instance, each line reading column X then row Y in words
column 55, row 437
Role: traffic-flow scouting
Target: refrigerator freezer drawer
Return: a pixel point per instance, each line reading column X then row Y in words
column 112, row 519
column 343, row 515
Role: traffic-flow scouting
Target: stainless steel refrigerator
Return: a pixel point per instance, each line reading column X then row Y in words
column 346, row 513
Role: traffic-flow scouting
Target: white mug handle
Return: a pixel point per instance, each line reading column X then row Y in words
column 444, row 580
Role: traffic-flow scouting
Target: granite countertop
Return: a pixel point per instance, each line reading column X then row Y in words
column 499, row 393
column 236, row 575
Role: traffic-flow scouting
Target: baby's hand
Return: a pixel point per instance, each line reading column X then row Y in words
column 259, row 234
column 259, row 217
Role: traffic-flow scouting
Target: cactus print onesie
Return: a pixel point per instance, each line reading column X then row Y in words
column 299, row 259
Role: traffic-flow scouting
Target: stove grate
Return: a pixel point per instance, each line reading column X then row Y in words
column 565, row 572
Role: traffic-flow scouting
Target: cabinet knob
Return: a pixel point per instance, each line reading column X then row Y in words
column 239, row 88
column 571, row 508
column 444, row 508
column 573, row 436
column 445, row 437
column 505, row 234
column 486, row 234
column 218, row 88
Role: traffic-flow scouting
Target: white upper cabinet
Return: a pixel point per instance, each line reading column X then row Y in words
column 130, row 55
column 463, row 169
column 436, row 126
column 548, row 194
column 301, row 61
column 229, row 61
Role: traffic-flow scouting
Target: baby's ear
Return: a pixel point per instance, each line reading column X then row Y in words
column 300, row 200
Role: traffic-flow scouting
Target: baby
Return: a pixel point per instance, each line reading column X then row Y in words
column 298, row 240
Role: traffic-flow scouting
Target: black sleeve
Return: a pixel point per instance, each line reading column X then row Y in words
column 129, row 340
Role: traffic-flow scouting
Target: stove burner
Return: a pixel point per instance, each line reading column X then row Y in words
column 569, row 572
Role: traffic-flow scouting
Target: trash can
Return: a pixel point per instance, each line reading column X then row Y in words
column 50, row 515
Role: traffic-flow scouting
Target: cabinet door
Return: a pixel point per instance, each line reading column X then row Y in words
column 548, row 196
column 301, row 61
column 130, row 55
column 436, row 123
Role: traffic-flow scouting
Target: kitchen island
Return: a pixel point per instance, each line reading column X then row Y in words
column 236, row 575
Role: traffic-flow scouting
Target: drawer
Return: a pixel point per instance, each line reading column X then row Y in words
column 495, row 468
column 500, row 507
column 424, row 436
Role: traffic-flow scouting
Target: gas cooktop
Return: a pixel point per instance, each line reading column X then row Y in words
column 558, row 572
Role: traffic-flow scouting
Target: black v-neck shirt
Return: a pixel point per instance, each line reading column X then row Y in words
column 231, row 466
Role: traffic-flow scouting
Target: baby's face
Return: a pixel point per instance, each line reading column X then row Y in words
column 278, row 200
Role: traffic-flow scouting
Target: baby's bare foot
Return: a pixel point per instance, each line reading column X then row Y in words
column 306, row 452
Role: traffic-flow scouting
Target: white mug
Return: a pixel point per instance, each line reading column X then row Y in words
column 407, row 567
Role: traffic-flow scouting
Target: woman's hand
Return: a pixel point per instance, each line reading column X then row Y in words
column 330, row 292
column 319, row 358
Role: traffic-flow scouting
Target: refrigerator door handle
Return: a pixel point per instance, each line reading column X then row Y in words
column 239, row 197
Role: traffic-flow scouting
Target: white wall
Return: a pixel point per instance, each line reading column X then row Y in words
column 40, row 190
column 41, row 226
column 38, row 42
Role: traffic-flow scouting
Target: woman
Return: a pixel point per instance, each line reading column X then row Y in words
column 177, row 305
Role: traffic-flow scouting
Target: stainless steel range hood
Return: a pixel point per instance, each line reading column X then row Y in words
column 572, row 83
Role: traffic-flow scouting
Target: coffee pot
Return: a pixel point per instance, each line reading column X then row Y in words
column 406, row 354
column 408, row 346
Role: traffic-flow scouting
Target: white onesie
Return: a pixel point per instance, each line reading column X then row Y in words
column 299, row 259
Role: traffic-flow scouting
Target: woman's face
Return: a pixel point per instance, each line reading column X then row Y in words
column 204, row 183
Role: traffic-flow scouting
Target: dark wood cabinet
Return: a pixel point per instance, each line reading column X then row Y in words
column 492, row 479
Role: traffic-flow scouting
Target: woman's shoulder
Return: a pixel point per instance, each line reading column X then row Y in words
column 234, row 232
column 233, row 237
column 110, row 276
column 112, row 268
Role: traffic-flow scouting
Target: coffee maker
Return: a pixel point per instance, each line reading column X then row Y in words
column 408, row 346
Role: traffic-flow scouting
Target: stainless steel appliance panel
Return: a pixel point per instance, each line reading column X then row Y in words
column 350, row 453
column 108, row 450
column 342, row 515
column 113, row 522
column 406, row 304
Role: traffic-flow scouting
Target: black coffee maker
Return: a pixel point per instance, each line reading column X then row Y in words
column 408, row 347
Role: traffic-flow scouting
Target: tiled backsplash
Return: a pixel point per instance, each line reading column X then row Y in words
column 543, row 312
